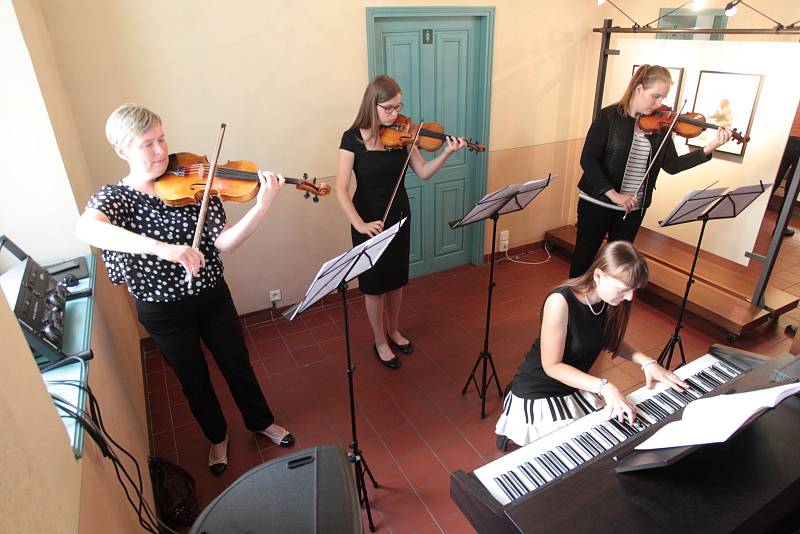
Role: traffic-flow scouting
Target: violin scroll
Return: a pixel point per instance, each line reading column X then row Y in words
column 311, row 188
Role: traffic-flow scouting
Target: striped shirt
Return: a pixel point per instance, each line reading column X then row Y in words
column 638, row 159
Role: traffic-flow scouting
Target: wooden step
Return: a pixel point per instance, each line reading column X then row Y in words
column 719, row 295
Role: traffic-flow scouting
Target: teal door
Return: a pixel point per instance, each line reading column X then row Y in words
column 440, row 60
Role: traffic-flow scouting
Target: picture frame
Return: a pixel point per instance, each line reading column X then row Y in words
column 677, row 85
column 728, row 99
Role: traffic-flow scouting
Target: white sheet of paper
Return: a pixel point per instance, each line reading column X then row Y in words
column 715, row 419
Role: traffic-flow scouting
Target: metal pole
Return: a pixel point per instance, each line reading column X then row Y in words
column 605, row 51
column 701, row 31
column 777, row 239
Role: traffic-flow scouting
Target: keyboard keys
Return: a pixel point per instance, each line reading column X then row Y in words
column 565, row 450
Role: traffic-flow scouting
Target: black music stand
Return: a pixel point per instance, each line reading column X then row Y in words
column 507, row 200
column 334, row 275
column 693, row 208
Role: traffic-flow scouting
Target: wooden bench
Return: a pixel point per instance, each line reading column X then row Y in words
column 719, row 293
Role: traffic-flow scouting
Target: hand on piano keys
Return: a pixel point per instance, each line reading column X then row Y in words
column 617, row 406
column 620, row 408
column 653, row 372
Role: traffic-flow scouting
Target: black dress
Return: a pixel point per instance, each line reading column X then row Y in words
column 585, row 340
column 376, row 173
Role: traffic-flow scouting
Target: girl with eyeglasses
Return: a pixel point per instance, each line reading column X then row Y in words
column 615, row 189
column 376, row 170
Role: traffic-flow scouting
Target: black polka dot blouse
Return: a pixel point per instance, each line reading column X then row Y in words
column 148, row 277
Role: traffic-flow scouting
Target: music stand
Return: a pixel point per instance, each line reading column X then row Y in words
column 695, row 207
column 511, row 198
column 334, row 275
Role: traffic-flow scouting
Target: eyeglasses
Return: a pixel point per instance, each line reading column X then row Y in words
column 391, row 109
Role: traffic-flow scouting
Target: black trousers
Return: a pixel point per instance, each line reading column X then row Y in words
column 594, row 222
column 177, row 328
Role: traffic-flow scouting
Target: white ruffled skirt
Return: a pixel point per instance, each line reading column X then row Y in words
column 523, row 420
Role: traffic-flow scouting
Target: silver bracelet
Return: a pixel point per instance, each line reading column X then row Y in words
column 648, row 363
column 603, row 382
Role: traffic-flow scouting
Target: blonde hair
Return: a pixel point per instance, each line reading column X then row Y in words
column 621, row 260
column 646, row 76
column 379, row 90
column 128, row 121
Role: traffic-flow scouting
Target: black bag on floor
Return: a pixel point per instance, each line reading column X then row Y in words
column 173, row 490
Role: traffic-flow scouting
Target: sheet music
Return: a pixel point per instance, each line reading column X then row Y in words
column 737, row 201
column 524, row 194
column 715, row 419
column 692, row 206
column 333, row 271
column 509, row 199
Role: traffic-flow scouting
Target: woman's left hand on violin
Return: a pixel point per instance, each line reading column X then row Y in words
column 454, row 144
column 270, row 187
column 722, row 137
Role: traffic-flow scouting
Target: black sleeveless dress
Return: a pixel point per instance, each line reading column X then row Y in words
column 585, row 340
column 376, row 173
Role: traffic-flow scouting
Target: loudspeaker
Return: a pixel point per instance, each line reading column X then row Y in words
column 311, row 491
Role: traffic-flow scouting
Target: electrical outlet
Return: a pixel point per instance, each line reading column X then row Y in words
column 503, row 240
column 274, row 295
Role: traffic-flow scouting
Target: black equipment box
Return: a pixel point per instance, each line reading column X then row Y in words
column 312, row 491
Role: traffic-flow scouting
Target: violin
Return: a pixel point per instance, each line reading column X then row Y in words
column 184, row 181
column 688, row 125
column 431, row 135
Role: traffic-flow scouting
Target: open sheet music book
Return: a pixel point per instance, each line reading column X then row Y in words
column 715, row 419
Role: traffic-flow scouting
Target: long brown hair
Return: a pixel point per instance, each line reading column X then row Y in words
column 622, row 261
column 379, row 90
column 647, row 76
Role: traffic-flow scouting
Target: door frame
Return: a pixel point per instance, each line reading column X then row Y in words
column 486, row 17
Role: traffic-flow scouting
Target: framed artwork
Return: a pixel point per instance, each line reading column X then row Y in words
column 726, row 99
column 675, row 90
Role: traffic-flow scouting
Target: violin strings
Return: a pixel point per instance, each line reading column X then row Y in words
column 233, row 173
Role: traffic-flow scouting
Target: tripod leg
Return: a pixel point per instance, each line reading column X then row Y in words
column 496, row 380
column 683, row 356
column 484, row 386
column 472, row 376
column 665, row 359
column 369, row 473
column 671, row 352
column 486, row 382
column 362, row 489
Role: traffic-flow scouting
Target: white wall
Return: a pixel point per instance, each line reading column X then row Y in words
column 37, row 207
column 773, row 119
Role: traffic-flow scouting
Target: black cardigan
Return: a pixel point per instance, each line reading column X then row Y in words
column 605, row 155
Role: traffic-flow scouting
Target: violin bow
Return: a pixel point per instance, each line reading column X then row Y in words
column 402, row 173
column 201, row 218
column 653, row 160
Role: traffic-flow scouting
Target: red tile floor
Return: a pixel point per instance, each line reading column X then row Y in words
column 414, row 425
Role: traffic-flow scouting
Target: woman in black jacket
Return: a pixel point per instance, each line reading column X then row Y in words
column 616, row 155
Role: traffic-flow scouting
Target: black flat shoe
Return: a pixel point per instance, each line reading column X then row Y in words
column 394, row 363
column 408, row 348
column 284, row 440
